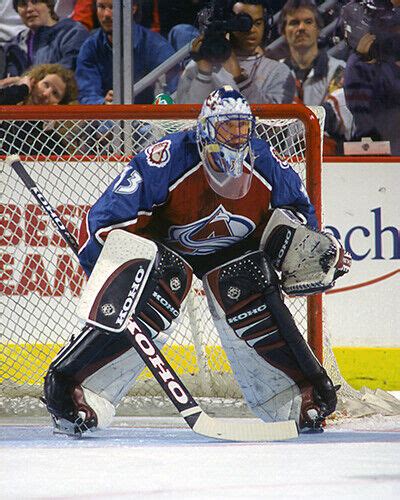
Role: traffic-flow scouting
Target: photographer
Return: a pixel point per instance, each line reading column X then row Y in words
column 230, row 52
column 372, row 76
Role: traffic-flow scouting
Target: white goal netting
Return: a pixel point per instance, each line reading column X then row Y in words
column 73, row 161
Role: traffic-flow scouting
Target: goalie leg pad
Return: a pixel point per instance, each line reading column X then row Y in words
column 85, row 380
column 75, row 409
column 117, row 282
column 106, row 363
column 163, row 300
column 89, row 377
column 133, row 275
column 273, row 364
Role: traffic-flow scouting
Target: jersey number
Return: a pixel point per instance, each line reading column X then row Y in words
column 133, row 179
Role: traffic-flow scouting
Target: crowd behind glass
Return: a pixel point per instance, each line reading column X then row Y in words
column 60, row 52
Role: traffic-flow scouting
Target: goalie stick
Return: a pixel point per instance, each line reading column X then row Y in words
column 193, row 414
column 20, row 170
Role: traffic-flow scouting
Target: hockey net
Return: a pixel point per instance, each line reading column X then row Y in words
column 73, row 153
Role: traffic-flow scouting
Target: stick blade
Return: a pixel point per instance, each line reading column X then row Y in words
column 242, row 430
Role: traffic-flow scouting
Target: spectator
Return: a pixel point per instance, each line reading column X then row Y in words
column 260, row 79
column 319, row 77
column 42, row 84
column 78, row 10
column 45, row 40
column 372, row 80
column 94, row 66
column 10, row 22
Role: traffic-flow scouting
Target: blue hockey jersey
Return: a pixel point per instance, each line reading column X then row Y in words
column 163, row 194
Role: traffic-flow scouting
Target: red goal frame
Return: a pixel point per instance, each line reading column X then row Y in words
column 313, row 155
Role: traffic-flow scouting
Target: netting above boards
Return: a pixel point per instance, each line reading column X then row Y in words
column 73, row 159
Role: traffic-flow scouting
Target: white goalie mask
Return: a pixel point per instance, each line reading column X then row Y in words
column 225, row 127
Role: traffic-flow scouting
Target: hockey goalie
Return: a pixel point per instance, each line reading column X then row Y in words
column 213, row 200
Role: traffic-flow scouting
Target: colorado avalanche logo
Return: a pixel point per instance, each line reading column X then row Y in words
column 158, row 155
column 219, row 230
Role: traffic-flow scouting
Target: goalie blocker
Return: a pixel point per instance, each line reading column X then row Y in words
column 90, row 376
column 280, row 377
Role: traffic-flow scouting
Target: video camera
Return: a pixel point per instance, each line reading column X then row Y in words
column 215, row 22
column 365, row 16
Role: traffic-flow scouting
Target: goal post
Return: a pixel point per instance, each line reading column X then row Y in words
column 73, row 153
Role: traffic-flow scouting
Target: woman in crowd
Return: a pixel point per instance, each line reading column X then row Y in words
column 46, row 39
column 42, row 84
column 45, row 84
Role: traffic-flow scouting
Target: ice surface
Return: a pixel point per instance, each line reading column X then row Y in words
column 357, row 459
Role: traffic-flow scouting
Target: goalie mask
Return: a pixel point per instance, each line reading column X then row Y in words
column 224, row 129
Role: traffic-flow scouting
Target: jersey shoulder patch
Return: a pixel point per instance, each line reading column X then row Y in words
column 179, row 148
column 158, row 154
